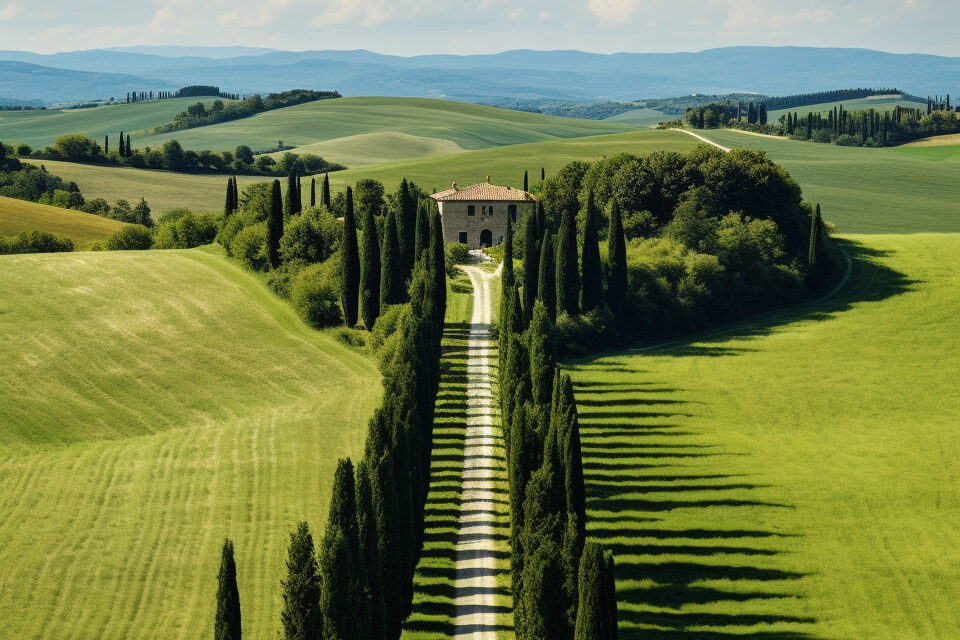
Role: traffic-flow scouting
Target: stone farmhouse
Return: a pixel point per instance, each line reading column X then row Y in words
column 477, row 216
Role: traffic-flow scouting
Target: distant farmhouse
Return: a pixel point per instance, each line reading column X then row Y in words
column 477, row 216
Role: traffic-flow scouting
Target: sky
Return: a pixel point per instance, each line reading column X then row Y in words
column 410, row 27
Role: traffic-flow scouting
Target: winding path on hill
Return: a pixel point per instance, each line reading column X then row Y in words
column 702, row 139
column 483, row 512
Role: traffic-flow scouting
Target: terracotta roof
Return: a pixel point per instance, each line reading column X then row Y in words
column 484, row 191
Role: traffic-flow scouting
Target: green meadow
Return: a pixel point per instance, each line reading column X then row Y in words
column 18, row 216
column 641, row 117
column 890, row 190
column 469, row 126
column 151, row 404
column 792, row 477
column 40, row 128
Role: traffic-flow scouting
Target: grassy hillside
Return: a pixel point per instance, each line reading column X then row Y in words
column 40, row 128
column 640, row 117
column 865, row 190
column 152, row 403
column 375, row 148
column 17, row 216
column 468, row 125
column 795, row 478
column 937, row 148
column 166, row 190
column 880, row 103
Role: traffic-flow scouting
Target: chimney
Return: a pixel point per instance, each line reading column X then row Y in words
column 454, row 187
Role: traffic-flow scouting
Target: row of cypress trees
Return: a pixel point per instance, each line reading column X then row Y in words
column 359, row 582
column 563, row 587
column 377, row 267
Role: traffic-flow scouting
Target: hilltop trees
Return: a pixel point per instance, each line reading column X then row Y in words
column 226, row 624
column 350, row 265
column 301, row 615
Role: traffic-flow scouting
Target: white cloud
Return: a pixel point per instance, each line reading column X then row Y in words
column 265, row 15
column 613, row 10
column 11, row 11
column 162, row 18
column 372, row 13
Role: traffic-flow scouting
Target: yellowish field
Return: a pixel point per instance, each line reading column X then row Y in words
column 17, row 216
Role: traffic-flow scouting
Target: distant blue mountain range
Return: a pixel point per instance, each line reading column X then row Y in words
column 511, row 75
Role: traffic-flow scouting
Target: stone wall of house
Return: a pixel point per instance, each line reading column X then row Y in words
column 491, row 216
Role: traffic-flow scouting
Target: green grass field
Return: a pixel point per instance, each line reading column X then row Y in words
column 944, row 148
column 890, row 190
column 468, row 125
column 17, row 216
column 505, row 165
column 152, row 403
column 640, row 117
column 880, row 103
column 40, row 128
column 793, row 478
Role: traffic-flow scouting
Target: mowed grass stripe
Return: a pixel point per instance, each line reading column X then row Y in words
column 19, row 216
column 112, row 522
column 792, row 479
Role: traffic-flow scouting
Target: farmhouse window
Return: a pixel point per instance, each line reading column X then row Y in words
column 471, row 210
column 512, row 210
column 463, row 237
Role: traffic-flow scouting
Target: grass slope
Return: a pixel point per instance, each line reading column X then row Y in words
column 40, row 128
column 375, row 148
column 880, row 103
column 640, row 117
column 17, row 216
column 468, row 125
column 864, row 190
column 794, row 478
column 166, row 190
column 152, row 403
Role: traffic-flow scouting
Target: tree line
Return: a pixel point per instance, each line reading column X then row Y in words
column 562, row 584
column 358, row 582
column 184, row 92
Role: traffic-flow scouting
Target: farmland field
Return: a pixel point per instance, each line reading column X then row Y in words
column 40, row 128
column 888, row 190
column 17, row 216
column 793, row 477
column 467, row 125
column 640, row 117
column 152, row 403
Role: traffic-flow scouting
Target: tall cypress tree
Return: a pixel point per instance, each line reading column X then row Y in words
column 236, row 195
column 531, row 265
column 592, row 272
column 383, row 491
column 290, row 205
column 313, row 192
column 406, row 228
column 617, row 256
column 543, row 174
column 546, row 281
column 301, row 616
column 438, row 265
column 106, row 144
column 568, row 269
column 591, row 616
column 325, row 193
column 341, row 599
column 120, row 148
column 422, row 237
column 543, row 362
column 127, row 149
column 609, row 582
column 526, row 185
column 228, row 203
column 370, row 565
column 508, row 275
column 275, row 226
column 391, row 271
column 299, row 195
column 350, row 265
column 226, row 625
column 370, row 272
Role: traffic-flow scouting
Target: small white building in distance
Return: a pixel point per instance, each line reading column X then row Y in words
column 477, row 216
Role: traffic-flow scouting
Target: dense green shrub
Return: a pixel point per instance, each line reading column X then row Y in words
column 186, row 230
column 315, row 294
column 457, row 253
column 249, row 246
column 313, row 236
column 132, row 237
column 35, row 242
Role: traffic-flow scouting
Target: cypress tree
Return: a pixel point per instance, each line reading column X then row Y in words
column 543, row 174
column 531, row 266
column 229, row 205
column 299, row 195
column 543, row 361
column 341, row 600
column 568, row 280
column 406, row 229
column 546, row 282
column 226, row 625
column 325, row 193
column 127, row 149
column 591, row 615
column 564, row 421
column 508, row 276
column 301, row 616
column 526, row 186
column 120, row 149
column 391, row 274
column 617, row 255
column 386, row 512
column 422, row 236
column 106, row 144
column 275, row 226
column 313, row 192
column 290, row 204
column 438, row 266
column 609, row 595
column 350, row 265
column 592, row 272
column 370, row 272
column 236, row 195
column 369, row 564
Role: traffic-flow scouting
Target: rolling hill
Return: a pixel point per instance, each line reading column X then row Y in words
column 880, row 103
column 791, row 477
column 151, row 404
column 17, row 216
